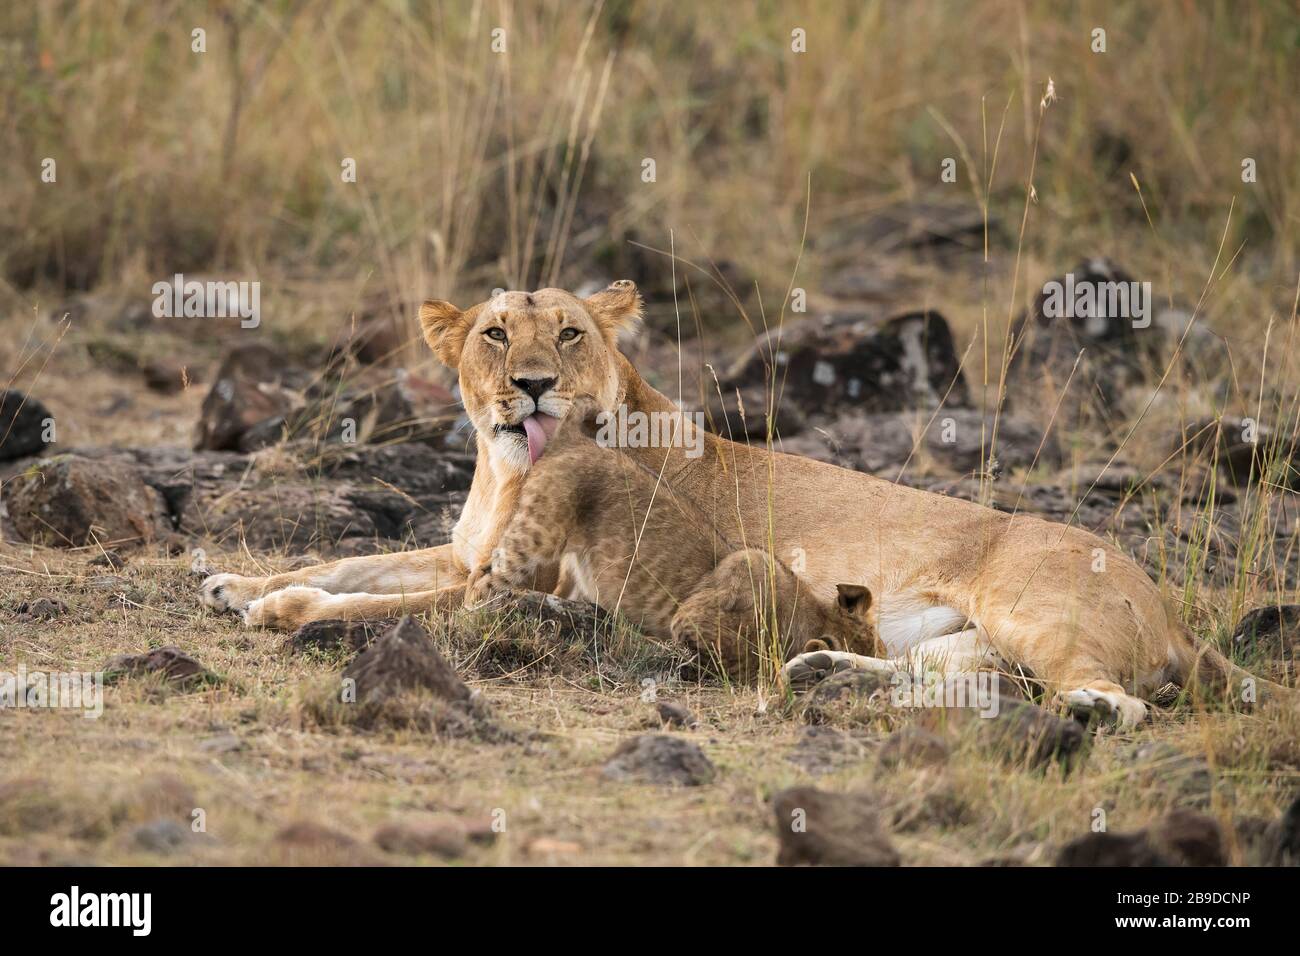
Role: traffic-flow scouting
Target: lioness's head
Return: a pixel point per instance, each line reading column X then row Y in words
column 524, row 356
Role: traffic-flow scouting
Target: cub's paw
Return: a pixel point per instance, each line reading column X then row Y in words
column 288, row 608
column 229, row 592
column 804, row 670
column 480, row 587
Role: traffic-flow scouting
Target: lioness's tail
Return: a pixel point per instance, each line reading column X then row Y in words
column 1205, row 673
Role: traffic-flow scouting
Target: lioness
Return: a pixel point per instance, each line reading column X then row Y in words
column 940, row 567
column 641, row 549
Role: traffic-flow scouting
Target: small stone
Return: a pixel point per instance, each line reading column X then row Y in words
column 24, row 425
column 443, row 838
column 545, row 847
column 109, row 559
column 821, row 828
column 222, row 744
column 41, row 609
column 161, row 836
column 674, row 715
column 173, row 664
column 913, row 746
column 659, row 759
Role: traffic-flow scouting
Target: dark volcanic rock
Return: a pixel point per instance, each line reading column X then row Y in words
column 821, row 749
column 70, row 501
column 661, row 759
column 171, row 663
column 957, row 439
column 673, row 714
column 1282, row 839
column 1273, row 631
column 402, row 680
column 252, row 384
column 446, row 838
column 1186, row 777
column 914, row 746
column 832, row 364
column 830, row 829
column 22, row 425
column 1183, row 838
column 41, row 609
column 1024, row 733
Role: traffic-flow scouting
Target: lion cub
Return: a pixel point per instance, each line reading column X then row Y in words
column 621, row 538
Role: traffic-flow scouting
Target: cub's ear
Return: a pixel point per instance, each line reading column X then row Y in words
column 615, row 308
column 853, row 598
column 445, row 328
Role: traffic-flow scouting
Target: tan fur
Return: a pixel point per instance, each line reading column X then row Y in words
column 1027, row 585
column 639, row 548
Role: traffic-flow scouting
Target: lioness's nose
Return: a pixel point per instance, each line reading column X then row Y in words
column 535, row 387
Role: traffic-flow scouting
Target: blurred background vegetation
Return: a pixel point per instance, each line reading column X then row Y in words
column 478, row 169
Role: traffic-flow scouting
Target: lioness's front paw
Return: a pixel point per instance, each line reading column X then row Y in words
column 288, row 608
column 229, row 592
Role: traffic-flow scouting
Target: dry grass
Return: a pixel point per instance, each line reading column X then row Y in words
column 478, row 170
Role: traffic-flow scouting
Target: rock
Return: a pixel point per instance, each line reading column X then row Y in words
column 913, row 746
column 822, row 749
column 252, row 384
column 161, row 836
column 1023, row 733
column 741, row 414
column 673, row 714
column 402, row 680
column 834, row 364
column 372, row 339
column 171, row 663
column 1116, row 353
column 310, row 835
column 222, row 744
column 24, row 424
column 1182, row 838
column 1272, row 631
column 659, row 759
column 165, row 376
column 1111, row 849
column 70, row 501
column 819, row 828
column 1282, row 838
column 333, row 635
column 109, row 559
column 444, row 838
column 1190, row 839
column 851, row 697
column 957, row 440
column 41, row 609
column 913, row 227
column 1248, row 452
column 1156, row 765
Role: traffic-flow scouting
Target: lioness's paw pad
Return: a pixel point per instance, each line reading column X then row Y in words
column 1106, row 707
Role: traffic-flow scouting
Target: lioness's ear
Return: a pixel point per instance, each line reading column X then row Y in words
column 445, row 328
column 853, row 598
column 615, row 308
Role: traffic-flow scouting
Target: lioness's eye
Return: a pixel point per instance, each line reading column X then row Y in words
column 568, row 335
column 496, row 334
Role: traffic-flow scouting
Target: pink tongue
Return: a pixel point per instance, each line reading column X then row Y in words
column 539, row 427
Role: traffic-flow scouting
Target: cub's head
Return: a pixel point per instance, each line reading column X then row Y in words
column 523, row 357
